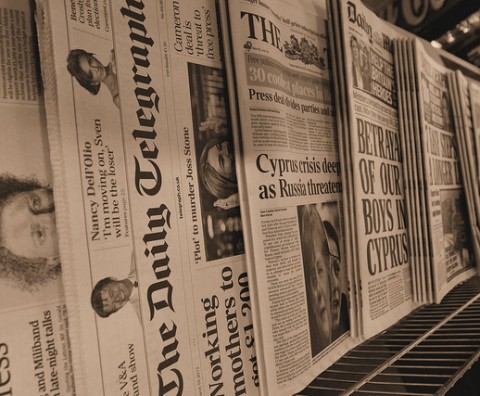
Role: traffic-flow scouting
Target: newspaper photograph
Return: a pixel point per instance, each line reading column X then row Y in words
column 35, row 356
column 151, row 225
column 449, row 229
column 375, row 148
column 290, row 182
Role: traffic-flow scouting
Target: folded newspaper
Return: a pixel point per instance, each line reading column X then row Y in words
column 35, row 356
column 150, row 226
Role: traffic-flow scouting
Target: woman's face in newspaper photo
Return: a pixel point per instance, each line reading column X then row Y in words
column 28, row 224
column 319, row 282
column 92, row 68
column 220, row 157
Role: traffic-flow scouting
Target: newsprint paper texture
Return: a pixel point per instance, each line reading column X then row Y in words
column 290, row 183
column 34, row 344
column 152, row 237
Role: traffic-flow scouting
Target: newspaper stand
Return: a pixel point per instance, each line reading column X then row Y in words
column 424, row 354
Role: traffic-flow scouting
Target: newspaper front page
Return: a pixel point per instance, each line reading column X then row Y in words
column 34, row 342
column 449, row 230
column 383, row 251
column 291, row 186
column 151, row 226
column 463, row 117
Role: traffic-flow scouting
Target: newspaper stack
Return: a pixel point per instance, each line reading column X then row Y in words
column 466, row 110
column 371, row 150
column 405, row 239
column 435, row 166
column 238, row 241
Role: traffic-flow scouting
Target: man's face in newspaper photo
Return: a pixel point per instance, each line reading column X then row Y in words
column 28, row 224
column 115, row 294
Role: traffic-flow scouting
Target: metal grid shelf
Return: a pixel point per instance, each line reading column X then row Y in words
column 423, row 354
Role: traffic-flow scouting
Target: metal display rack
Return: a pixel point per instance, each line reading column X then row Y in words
column 426, row 353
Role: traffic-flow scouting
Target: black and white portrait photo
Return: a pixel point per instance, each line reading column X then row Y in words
column 92, row 74
column 29, row 254
column 111, row 294
column 325, row 276
column 215, row 163
column 361, row 64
